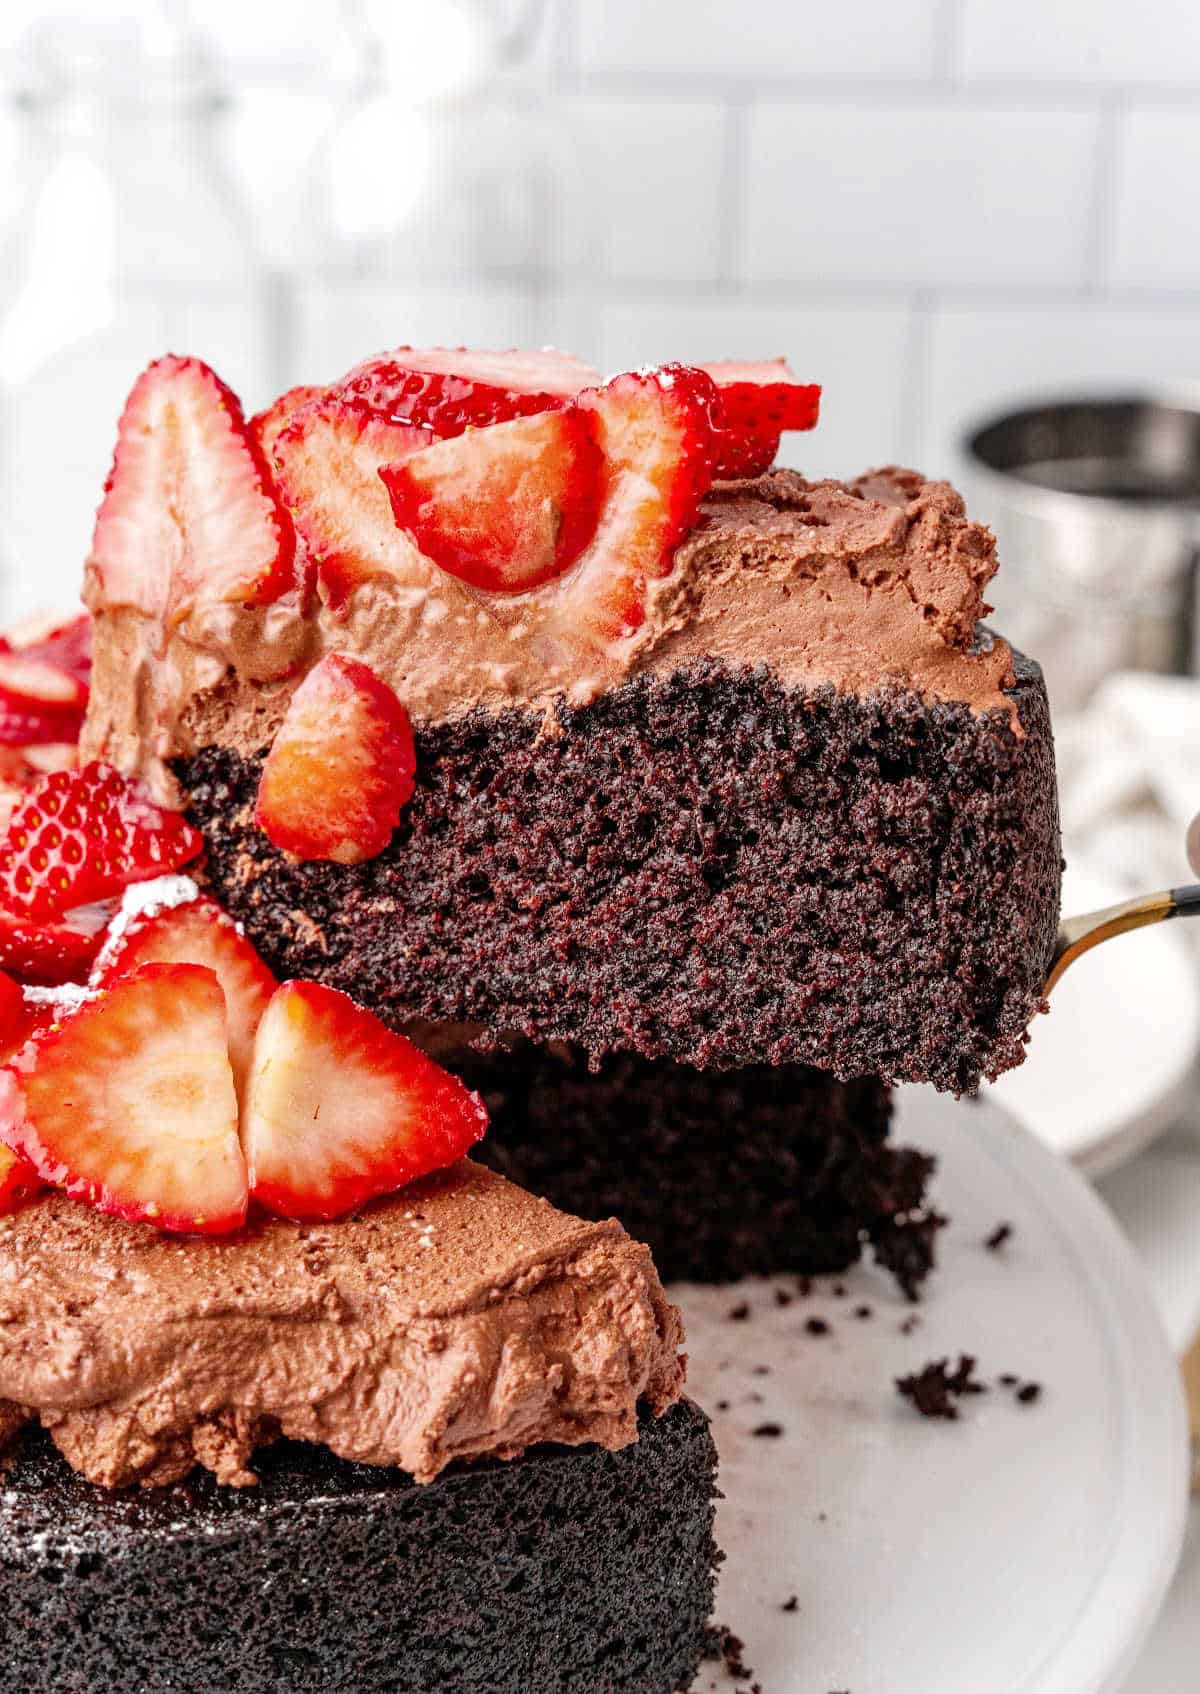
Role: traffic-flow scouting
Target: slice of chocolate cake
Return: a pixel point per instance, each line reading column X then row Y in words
column 760, row 789
column 461, row 1320
column 723, row 1175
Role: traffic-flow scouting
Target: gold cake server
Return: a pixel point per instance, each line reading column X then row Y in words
column 1077, row 936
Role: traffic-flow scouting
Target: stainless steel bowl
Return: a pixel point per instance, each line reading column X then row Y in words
column 1096, row 507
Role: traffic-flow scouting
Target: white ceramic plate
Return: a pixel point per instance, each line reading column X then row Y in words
column 1110, row 1066
column 1156, row 1200
column 1021, row 1550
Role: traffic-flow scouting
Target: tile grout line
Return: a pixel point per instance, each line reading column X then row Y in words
column 950, row 27
column 731, row 198
column 1097, row 252
column 914, row 409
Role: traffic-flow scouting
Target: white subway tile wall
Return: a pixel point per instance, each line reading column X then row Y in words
column 936, row 208
column 935, row 193
column 1155, row 231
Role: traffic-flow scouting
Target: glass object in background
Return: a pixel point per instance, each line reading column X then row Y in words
column 447, row 193
column 130, row 244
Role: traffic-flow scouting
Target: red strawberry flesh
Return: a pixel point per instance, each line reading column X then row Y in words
column 268, row 425
column 82, row 835
column 19, row 1020
column 28, row 722
column 189, row 516
column 341, row 767
column 48, row 954
column 196, row 932
column 64, row 643
column 19, row 1182
column 339, row 1109
column 505, row 508
column 450, row 389
column 327, row 459
column 655, row 429
column 129, row 1103
column 759, row 400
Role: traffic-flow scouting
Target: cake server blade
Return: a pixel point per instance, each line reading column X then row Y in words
column 1077, row 936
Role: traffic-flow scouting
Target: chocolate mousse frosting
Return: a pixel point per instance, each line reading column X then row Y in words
column 459, row 1319
column 864, row 584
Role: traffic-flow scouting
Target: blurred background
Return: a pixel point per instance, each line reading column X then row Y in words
column 935, row 209
column 976, row 222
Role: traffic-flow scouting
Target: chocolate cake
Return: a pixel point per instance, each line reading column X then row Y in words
column 585, row 1572
column 460, row 1320
column 725, row 1175
column 803, row 812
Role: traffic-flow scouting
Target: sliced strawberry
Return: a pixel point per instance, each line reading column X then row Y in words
column 63, row 642
column 341, row 767
column 450, row 389
column 19, row 1182
column 656, row 431
column 38, row 702
column 20, row 768
column 49, row 953
column 327, row 460
column 759, row 400
column 189, row 516
column 339, row 1109
column 195, row 932
column 32, row 680
column 19, row 1020
column 504, row 508
column 267, row 426
column 81, row 835
column 129, row 1103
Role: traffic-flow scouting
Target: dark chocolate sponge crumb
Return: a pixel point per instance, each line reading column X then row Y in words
column 565, row 1572
column 1029, row 1393
column 722, row 1643
column 936, row 1389
column 1001, row 1234
column 724, row 1175
column 704, row 866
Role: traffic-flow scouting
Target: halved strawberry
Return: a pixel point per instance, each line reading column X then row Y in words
column 267, row 426
column 19, row 1182
column 327, row 460
column 760, row 399
column 19, row 1020
column 341, row 767
column 504, row 508
column 129, row 1103
column 655, row 429
column 450, row 389
column 81, row 835
column 44, row 670
column 49, row 954
column 339, row 1109
column 25, row 722
column 189, row 516
column 65, row 642
column 195, row 932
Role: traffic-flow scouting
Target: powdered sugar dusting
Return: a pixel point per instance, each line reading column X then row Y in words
column 143, row 900
column 67, row 998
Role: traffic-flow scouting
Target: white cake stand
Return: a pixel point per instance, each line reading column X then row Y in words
column 1024, row 1549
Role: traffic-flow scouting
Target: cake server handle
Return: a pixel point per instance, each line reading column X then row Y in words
column 1077, row 936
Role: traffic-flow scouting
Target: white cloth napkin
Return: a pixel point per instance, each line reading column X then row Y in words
column 1129, row 778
